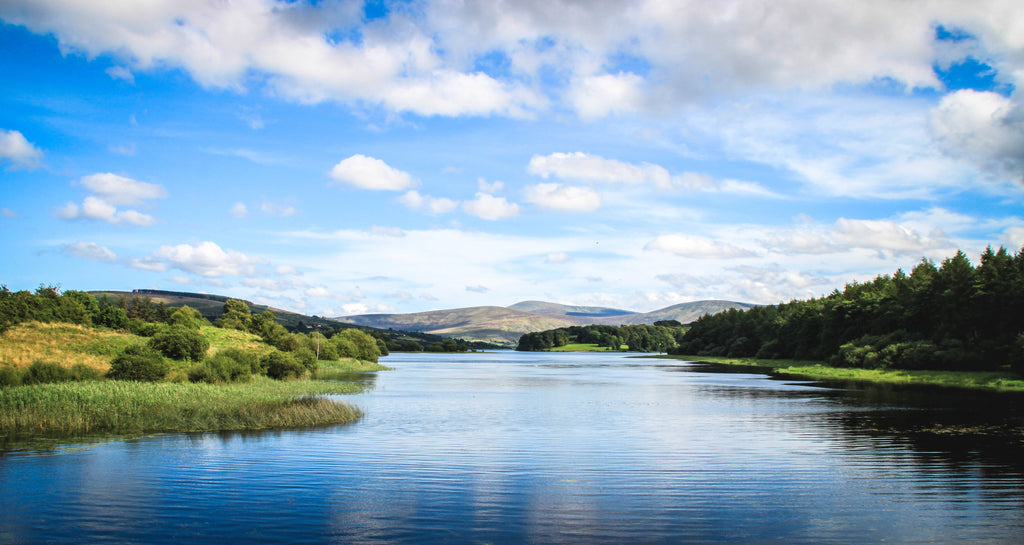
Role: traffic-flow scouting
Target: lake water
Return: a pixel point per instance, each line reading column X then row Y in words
column 553, row 448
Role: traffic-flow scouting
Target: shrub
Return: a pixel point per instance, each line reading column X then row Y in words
column 245, row 357
column 187, row 317
column 282, row 366
column 42, row 372
column 357, row 344
column 113, row 317
column 10, row 376
column 138, row 362
column 178, row 342
column 220, row 368
column 143, row 329
column 306, row 357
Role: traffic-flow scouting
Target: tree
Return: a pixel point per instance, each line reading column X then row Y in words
column 187, row 317
column 179, row 343
column 236, row 315
column 354, row 343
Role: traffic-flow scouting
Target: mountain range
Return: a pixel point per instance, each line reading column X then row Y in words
column 504, row 325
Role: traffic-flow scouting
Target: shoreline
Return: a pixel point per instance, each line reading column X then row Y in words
column 991, row 381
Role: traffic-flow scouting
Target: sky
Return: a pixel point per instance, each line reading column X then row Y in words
column 347, row 157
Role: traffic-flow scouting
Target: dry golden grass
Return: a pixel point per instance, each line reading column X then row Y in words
column 65, row 344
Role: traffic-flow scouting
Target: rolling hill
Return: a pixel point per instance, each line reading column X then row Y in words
column 504, row 325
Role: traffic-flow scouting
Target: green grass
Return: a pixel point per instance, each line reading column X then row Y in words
column 130, row 408
column 581, row 348
column 976, row 380
column 344, row 368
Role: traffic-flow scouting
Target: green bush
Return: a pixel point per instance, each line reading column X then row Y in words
column 220, row 368
column 187, row 317
column 179, row 343
column 139, row 362
column 144, row 329
column 10, row 376
column 306, row 357
column 113, row 317
column 282, row 366
column 245, row 357
column 43, row 372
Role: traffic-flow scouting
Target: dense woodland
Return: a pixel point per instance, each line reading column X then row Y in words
column 660, row 337
column 954, row 316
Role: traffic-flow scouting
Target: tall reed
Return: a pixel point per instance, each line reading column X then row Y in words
column 119, row 407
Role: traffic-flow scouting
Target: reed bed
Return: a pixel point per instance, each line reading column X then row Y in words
column 119, row 407
column 344, row 368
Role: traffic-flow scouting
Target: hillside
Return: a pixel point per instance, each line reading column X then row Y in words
column 504, row 325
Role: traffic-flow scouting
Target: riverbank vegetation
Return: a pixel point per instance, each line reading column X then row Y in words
column 1000, row 381
column 952, row 317
column 71, row 364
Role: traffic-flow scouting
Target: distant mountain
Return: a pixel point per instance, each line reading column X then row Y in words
column 504, row 325
column 498, row 325
column 555, row 309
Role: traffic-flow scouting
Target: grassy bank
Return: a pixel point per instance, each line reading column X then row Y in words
column 994, row 381
column 580, row 348
column 344, row 368
column 129, row 408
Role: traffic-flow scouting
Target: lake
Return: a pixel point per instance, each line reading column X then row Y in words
column 511, row 447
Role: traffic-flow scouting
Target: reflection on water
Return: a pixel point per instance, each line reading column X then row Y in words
column 555, row 448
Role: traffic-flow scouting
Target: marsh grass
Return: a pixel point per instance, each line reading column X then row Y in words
column 131, row 408
column 343, row 369
column 233, row 338
column 976, row 380
column 64, row 344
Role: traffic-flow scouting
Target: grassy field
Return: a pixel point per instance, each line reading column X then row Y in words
column 65, row 344
column 977, row 380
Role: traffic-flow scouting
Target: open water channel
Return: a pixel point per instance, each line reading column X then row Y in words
column 553, row 448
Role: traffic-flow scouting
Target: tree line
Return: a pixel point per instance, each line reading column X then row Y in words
column 954, row 316
column 661, row 337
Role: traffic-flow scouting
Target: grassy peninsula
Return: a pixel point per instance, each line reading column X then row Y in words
column 72, row 367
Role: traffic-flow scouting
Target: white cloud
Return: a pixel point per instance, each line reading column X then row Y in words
column 983, row 127
column 557, row 257
column 387, row 231
column 696, row 247
column 120, row 191
column 489, row 207
column 433, row 205
column 597, row 96
column 238, row 210
column 884, row 235
column 1014, row 238
column 109, row 192
column 8, row 213
column 121, row 73
column 278, row 209
column 490, row 187
column 478, row 289
column 594, row 168
column 370, row 173
column 18, row 151
column 318, row 291
column 91, row 251
column 563, row 198
column 207, row 259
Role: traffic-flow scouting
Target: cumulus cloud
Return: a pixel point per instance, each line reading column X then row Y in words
column 207, row 259
column 109, row 192
column 982, row 127
column 278, row 209
column 91, row 251
column 884, row 235
column 370, row 173
column 696, row 247
column 489, row 207
column 563, row 198
column 18, row 151
column 596, row 96
column 433, row 205
column 424, row 59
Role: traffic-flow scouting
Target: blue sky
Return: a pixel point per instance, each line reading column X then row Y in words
column 346, row 157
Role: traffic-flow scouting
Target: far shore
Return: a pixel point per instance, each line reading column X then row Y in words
column 996, row 381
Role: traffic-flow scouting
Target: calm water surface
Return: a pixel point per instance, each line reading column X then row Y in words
column 553, row 448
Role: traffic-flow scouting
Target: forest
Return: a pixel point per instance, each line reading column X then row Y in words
column 660, row 337
column 954, row 316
